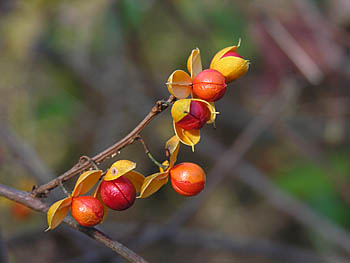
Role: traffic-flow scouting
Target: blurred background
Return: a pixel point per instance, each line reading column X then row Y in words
column 77, row 76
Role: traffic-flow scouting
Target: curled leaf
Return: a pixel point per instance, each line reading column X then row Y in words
column 187, row 137
column 119, row 168
column 85, row 182
column 153, row 183
column 57, row 212
column 173, row 145
column 136, row 179
column 180, row 84
column 194, row 63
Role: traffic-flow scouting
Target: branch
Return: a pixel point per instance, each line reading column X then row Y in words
column 28, row 200
column 128, row 139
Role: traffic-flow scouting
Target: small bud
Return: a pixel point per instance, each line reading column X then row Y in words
column 209, row 85
column 87, row 210
column 118, row 194
column 187, row 179
column 190, row 114
column 230, row 63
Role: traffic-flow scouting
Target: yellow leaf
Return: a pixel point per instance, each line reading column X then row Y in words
column 57, row 212
column 180, row 84
column 173, row 145
column 118, row 169
column 187, row 137
column 136, row 178
column 180, row 109
column 153, row 183
column 97, row 195
column 86, row 181
column 222, row 52
column 194, row 63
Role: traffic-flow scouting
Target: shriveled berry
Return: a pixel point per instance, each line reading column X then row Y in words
column 196, row 117
column 209, row 85
column 187, row 179
column 118, row 194
column 87, row 210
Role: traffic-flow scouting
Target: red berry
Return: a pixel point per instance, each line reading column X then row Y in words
column 209, row 85
column 87, row 210
column 187, row 178
column 196, row 118
column 118, row 194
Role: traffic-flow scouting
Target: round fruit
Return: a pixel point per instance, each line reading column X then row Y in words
column 87, row 210
column 118, row 194
column 209, row 85
column 196, row 117
column 187, row 178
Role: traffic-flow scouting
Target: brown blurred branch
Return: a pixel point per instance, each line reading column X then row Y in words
column 128, row 139
column 28, row 200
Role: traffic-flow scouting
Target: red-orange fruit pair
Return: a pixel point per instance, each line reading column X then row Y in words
column 187, row 179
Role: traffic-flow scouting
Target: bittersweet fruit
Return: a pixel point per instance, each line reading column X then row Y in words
column 87, row 210
column 118, row 194
column 209, row 85
column 195, row 118
column 187, row 179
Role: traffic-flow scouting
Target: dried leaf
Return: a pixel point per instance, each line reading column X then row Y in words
column 136, row 178
column 180, row 84
column 57, row 212
column 86, row 181
column 153, row 183
column 194, row 63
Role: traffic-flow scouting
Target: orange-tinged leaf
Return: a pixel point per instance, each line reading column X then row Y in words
column 136, row 179
column 173, row 145
column 180, row 109
column 211, row 108
column 119, row 168
column 187, row 137
column 97, row 195
column 194, row 63
column 180, row 84
column 57, row 212
column 153, row 183
column 86, row 181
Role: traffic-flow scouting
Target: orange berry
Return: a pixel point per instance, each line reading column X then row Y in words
column 196, row 118
column 118, row 194
column 209, row 85
column 187, row 178
column 87, row 210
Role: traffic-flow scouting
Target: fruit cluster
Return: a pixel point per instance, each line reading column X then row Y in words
column 121, row 185
column 205, row 87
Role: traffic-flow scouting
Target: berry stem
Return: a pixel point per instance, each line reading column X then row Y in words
column 64, row 189
column 150, row 156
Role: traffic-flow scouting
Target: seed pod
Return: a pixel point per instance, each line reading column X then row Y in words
column 190, row 114
column 209, row 85
column 229, row 63
column 187, row 179
column 118, row 194
column 87, row 210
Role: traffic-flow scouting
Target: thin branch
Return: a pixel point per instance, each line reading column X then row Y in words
column 36, row 204
column 128, row 139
